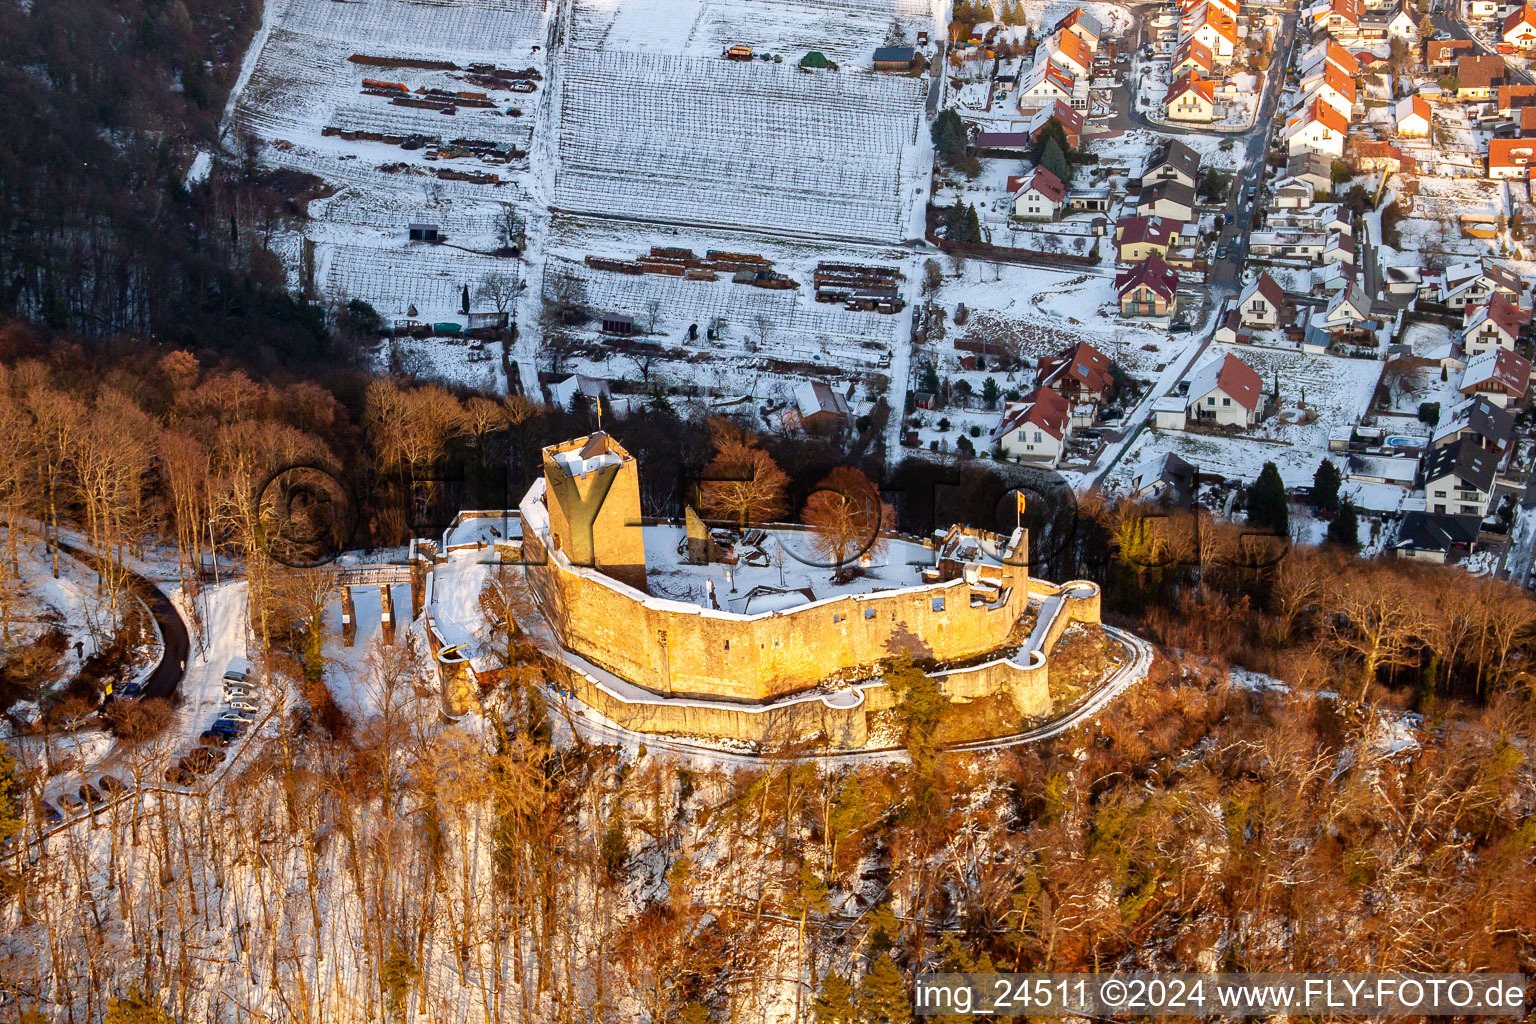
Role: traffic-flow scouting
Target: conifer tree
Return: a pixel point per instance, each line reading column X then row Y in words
column 883, row 995
column 1325, row 487
column 1345, row 528
column 1268, row 507
column 834, row 1003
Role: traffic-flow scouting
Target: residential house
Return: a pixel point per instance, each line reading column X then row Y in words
column 1436, row 538
column 1002, row 143
column 1515, row 97
column 1038, row 195
column 1320, row 129
column 1044, row 86
column 1440, row 55
column 1519, row 28
column 1496, row 324
column 1498, row 375
column 1334, row 88
column 1292, row 194
column 1458, row 479
column 1084, row 376
column 1232, row 330
column 1083, row 25
column 1150, row 288
column 1192, row 55
column 1214, row 28
column 1316, row 169
column 1479, row 77
column 1170, row 199
column 1379, row 155
column 1392, row 23
column 1034, row 429
column 1304, row 246
column 1490, row 426
column 1327, row 51
column 1263, row 304
column 1510, row 158
column 1071, row 122
column 1340, row 249
column 1412, row 117
column 580, row 389
column 1341, row 19
column 1191, row 98
column 1068, row 52
column 1141, row 237
column 1225, row 392
column 1479, row 10
column 1464, row 284
column 1172, row 161
column 1167, row 479
column 820, row 408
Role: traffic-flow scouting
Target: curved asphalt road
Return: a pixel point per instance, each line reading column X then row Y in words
column 162, row 682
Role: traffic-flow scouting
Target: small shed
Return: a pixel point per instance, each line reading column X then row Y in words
column 895, row 58
column 423, row 232
column 618, row 323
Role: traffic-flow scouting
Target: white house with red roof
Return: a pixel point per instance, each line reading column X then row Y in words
column 1035, row 428
column 1191, row 98
column 1081, row 376
column 1067, row 51
column 1511, row 158
column 1495, row 324
column 1519, row 29
column 1319, row 129
column 1045, row 85
column 1413, row 117
column 1083, row 25
column 1038, row 195
column 1211, row 25
column 1192, row 55
column 1333, row 87
column 1327, row 51
column 1263, row 304
column 1225, row 392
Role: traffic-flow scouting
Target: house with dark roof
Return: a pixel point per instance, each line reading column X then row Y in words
column 1169, row 480
column 1479, row 420
column 895, row 58
column 1437, row 538
column 1172, row 161
column 1140, row 237
column 1150, row 288
column 1172, row 200
column 1458, row 478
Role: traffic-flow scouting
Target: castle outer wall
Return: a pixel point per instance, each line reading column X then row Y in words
column 676, row 649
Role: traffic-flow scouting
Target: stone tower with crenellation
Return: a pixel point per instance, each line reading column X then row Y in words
column 593, row 497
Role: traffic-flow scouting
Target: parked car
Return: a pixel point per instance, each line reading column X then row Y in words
column 216, row 738
column 241, row 704
column 130, row 690
column 71, row 803
column 243, row 717
column 1179, row 328
column 112, row 784
column 201, row 761
column 179, row 776
column 240, row 693
column 1221, row 252
column 89, row 794
column 238, row 670
column 49, row 812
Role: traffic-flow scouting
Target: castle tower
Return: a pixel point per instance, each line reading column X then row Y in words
column 592, row 492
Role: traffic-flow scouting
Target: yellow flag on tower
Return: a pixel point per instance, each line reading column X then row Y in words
column 1020, row 495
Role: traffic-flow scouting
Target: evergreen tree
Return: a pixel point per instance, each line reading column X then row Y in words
column 1345, row 528
column 972, row 225
column 1054, row 160
column 929, row 379
column 1052, row 130
column 464, row 301
column 1325, row 487
column 949, row 141
column 990, row 392
column 834, row 1003
column 883, row 995
column 1268, row 507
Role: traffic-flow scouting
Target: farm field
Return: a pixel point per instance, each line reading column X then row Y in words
column 712, row 142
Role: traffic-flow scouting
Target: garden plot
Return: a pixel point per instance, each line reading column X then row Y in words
column 298, row 81
column 1443, row 207
column 1031, row 312
column 717, row 143
column 846, row 31
column 1337, row 392
column 786, row 324
column 392, row 280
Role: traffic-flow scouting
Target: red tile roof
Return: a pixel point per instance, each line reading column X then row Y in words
column 1506, row 153
column 1191, row 81
column 1153, row 273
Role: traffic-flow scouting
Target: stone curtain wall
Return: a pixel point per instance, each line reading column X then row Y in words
column 679, row 650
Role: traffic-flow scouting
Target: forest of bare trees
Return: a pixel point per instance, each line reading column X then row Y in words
column 395, row 865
